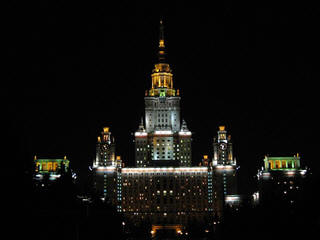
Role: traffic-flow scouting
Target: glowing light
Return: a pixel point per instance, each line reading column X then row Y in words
column 106, row 169
column 232, row 198
column 165, row 132
column 164, row 170
column 290, row 173
column 303, row 172
column 106, row 129
column 183, row 133
column 161, row 43
column 224, row 167
column 256, row 196
column 221, row 128
column 140, row 134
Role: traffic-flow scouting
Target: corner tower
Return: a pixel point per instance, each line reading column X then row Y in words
column 105, row 149
column 224, row 171
column 162, row 141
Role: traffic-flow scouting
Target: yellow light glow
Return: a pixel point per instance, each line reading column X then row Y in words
column 205, row 156
column 49, row 166
column 118, row 157
column 99, row 139
column 55, row 166
column 106, row 129
column 161, row 43
column 221, row 128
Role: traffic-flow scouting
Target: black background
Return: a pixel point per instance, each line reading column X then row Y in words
column 76, row 67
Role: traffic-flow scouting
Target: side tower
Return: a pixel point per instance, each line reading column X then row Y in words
column 51, row 169
column 224, row 167
column 162, row 141
column 105, row 149
column 106, row 168
column 280, row 181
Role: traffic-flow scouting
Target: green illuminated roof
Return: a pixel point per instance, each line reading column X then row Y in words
column 282, row 158
column 51, row 160
column 282, row 163
column 51, row 165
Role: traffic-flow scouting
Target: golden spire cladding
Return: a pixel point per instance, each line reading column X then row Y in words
column 162, row 84
column 162, row 52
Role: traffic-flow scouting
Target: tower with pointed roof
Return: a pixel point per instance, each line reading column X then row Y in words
column 161, row 140
column 163, row 188
column 105, row 149
column 224, row 171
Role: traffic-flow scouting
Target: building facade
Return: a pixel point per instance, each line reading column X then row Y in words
column 105, row 149
column 106, row 167
column 166, row 195
column 163, row 188
column 224, row 172
column 163, row 141
column 280, row 181
column 51, row 168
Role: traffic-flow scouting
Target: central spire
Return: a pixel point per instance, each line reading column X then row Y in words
column 161, row 53
column 162, row 84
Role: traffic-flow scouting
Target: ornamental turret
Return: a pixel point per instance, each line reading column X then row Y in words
column 105, row 149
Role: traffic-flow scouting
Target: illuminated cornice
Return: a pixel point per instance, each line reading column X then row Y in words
column 177, row 170
column 140, row 134
column 163, row 132
column 185, row 133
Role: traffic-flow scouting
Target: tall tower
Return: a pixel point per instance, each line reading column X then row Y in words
column 105, row 167
column 162, row 141
column 222, row 148
column 164, row 189
column 224, row 167
column 105, row 149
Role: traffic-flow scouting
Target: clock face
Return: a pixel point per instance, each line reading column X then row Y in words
column 223, row 146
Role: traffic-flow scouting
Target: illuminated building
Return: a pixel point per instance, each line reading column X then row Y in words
column 106, row 166
column 163, row 188
column 164, row 141
column 166, row 195
column 105, row 149
column 280, row 181
column 53, row 168
column 224, row 167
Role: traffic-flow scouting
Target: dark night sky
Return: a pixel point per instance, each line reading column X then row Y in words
column 74, row 68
